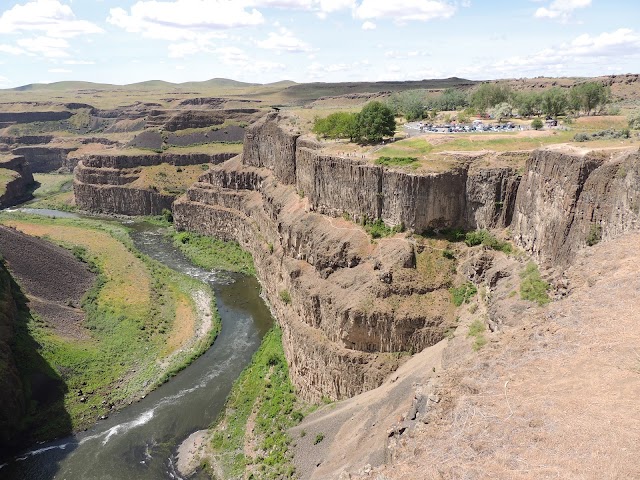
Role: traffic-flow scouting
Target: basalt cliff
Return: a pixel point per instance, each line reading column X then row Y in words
column 350, row 307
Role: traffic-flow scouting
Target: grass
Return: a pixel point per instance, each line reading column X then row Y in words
column 477, row 330
column 532, row 287
column 55, row 192
column 594, row 236
column 483, row 237
column 397, row 161
column 168, row 179
column 264, row 392
column 130, row 319
column 6, row 176
column 285, row 296
column 378, row 229
column 213, row 254
column 463, row 293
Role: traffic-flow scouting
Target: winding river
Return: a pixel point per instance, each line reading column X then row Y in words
column 141, row 440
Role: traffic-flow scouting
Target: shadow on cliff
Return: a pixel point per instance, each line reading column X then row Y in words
column 35, row 410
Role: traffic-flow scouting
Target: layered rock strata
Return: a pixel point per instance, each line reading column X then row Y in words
column 347, row 306
column 17, row 178
column 46, row 159
column 102, row 183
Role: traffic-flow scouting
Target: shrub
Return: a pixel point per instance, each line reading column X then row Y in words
column 581, row 137
column 463, row 293
column 378, row 229
column 167, row 215
column 483, row 237
column 537, row 124
column 396, row 161
column 634, row 121
column 477, row 329
column 285, row 296
column 318, row 439
column 595, row 235
column 532, row 287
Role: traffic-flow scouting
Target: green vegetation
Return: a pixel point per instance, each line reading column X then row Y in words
column 378, row 229
column 463, row 293
column 374, row 122
column 602, row 135
column 477, row 330
column 396, row 161
column 213, row 254
column 483, row 237
column 409, row 104
column 318, row 439
column 532, row 287
column 449, row 100
column 133, row 343
column 595, row 235
column 488, row 95
column 589, row 96
column 634, row 121
column 285, row 296
column 537, row 124
column 263, row 391
column 6, row 176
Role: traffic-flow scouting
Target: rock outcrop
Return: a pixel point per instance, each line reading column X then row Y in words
column 15, row 180
column 347, row 307
column 103, row 183
column 47, row 159
column 569, row 200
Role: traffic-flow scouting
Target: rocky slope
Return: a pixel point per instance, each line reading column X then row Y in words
column 15, row 179
column 347, row 306
column 105, row 183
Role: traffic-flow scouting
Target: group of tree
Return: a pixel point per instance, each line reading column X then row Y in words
column 586, row 98
column 374, row 122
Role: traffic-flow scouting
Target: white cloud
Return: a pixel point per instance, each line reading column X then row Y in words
column 59, row 70
column 184, row 19
column 284, row 40
column 565, row 59
column 48, row 17
column 45, row 46
column 11, row 49
column 404, row 10
column 79, row 62
column 561, row 9
column 368, row 26
column 183, row 49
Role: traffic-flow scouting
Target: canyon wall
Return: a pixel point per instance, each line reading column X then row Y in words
column 569, row 200
column 102, row 183
column 18, row 179
column 348, row 307
column 45, row 159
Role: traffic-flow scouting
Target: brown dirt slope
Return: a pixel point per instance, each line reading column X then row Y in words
column 53, row 279
column 556, row 396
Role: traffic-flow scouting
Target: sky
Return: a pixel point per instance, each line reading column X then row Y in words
column 262, row 41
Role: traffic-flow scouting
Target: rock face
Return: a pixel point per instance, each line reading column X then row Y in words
column 347, row 307
column 12, row 401
column 566, row 201
column 43, row 159
column 102, row 182
column 19, row 178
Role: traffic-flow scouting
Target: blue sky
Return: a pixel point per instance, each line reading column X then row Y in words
column 125, row 41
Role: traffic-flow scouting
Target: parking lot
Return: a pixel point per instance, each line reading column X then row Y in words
column 421, row 128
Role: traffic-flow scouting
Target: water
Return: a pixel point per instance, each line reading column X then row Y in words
column 140, row 441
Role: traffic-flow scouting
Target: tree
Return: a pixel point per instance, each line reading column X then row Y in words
column 503, row 110
column 537, row 124
column 589, row 96
column 376, row 121
column 488, row 95
column 450, row 99
column 527, row 103
column 410, row 104
column 337, row 125
column 554, row 102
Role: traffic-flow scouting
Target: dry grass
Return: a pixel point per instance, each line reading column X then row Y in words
column 168, row 178
column 184, row 325
column 6, row 176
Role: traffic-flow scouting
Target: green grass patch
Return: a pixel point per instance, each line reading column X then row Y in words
column 285, row 296
column 213, row 254
column 378, row 229
column 264, row 388
column 397, row 161
column 532, row 286
column 483, row 237
column 130, row 317
column 463, row 293
column 594, row 236
column 477, row 330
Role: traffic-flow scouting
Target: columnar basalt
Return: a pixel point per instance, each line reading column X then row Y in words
column 105, row 183
column 46, row 159
column 16, row 180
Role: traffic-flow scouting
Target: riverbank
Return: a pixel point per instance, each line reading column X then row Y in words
column 144, row 323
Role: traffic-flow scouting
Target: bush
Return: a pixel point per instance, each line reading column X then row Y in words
column 634, row 121
column 537, row 124
column 483, row 237
column 285, row 296
column 532, row 287
column 463, row 293
column 318, row 439
column 378, row 229
column 594, row 236
column 581, row 137
column 477, row 329
column 396, row 161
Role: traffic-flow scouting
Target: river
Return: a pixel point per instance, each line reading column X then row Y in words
column 140, row 441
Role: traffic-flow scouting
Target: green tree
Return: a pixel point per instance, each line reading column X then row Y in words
column 450, row 99
column 589, row 96
column 500, row 111
column 409, row 104
column 488, row 95
column 337, row 125
column 528, row 104
column 554, row 102
column 537, row 124
column 376, row 121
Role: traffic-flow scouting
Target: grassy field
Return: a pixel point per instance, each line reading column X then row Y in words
column 169, row 179
column 55, row 192
column 141, row 320
column 213, row 254
column 250, row 438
